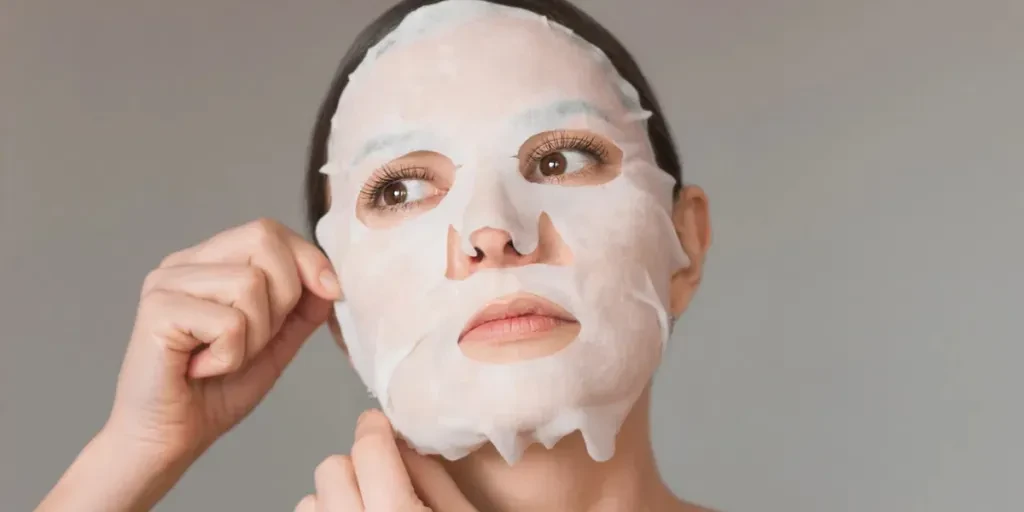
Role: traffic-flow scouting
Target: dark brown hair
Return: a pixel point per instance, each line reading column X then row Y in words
column 558, row 11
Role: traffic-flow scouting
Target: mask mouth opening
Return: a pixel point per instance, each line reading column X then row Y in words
column 517, row 327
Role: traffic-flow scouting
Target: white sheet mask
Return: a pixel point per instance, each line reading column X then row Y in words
column 473, row 81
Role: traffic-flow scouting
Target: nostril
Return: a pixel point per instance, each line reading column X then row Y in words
column 510, row 248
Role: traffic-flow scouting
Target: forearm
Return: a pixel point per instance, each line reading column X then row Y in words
column 109, row 475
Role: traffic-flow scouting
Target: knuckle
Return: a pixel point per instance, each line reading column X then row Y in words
column 155, row 314
column 232, row 356
column 261, row 231
column 155, row 300
column 252, row 281
column 151, row 280
column 171, row 259
column 332, row 466
column 291, row 293
column 369, row 443
column 234, row 326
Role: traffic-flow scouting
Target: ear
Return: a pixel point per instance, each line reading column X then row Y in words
column 693, row 228
column 335, row 328
column 327, row 192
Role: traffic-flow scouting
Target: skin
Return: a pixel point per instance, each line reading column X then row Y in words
column 575, row 168
column 565, row 477
column 453, row 111
column 216, row 326
column 218, row 323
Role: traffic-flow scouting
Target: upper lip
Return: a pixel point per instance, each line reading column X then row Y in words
column 512, row 306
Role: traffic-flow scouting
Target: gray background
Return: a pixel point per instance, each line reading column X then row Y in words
column 856, row 341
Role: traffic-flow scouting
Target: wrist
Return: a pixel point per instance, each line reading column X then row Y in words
column 117, row 473
column 134, row 451
column 147, row 468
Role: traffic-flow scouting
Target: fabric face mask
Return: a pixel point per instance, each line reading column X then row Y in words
column 473, row 121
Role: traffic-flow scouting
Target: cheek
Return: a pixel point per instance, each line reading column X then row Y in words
column 617, row 258
column 386, row 271
column 620, row 237
column 607, row 223
column 381, row 272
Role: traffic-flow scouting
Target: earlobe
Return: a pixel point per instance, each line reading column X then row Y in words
column 693, row 229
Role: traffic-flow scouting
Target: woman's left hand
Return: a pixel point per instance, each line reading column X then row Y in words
column 380, row 476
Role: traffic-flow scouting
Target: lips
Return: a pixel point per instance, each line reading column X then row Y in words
column 515, row 317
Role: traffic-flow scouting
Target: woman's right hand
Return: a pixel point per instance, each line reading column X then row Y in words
column 216, row 325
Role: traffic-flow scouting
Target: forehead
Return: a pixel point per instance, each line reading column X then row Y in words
column 471, row 78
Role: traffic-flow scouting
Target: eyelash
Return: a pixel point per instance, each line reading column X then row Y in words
column 374, row 189
column 560, row 141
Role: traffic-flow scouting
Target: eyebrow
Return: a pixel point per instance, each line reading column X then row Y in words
column 389, row 142
column 548, row 115
column 557, row 111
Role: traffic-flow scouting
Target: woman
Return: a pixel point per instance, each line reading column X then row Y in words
column 218, row 323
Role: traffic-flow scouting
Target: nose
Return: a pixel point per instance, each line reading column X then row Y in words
column 495, row 248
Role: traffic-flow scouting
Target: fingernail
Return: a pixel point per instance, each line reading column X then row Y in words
column 330, row 281
column 366, row 423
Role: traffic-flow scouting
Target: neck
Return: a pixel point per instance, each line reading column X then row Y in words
column 565, row 478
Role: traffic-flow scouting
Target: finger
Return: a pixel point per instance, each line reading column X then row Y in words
column 433, row 484
column 242, row 287
column 269, row 364
column 181, row 324
column 383, row 481
column 259, row 244
column 307, row 504
column 336, row 486
column 313, row 269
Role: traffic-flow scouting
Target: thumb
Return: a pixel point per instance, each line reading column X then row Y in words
column 432, row 483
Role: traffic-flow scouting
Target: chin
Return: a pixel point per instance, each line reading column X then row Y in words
column 587, row 386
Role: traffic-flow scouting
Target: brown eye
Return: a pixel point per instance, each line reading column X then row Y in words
column 394, row 193
column 553, row 164
column 563, row 163
column 568, row 158
column 402, row 193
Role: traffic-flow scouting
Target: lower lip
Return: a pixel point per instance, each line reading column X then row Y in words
column 513, row 329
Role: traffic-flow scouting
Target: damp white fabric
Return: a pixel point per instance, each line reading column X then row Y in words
column 445, row 80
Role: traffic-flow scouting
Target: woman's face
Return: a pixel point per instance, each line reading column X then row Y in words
column 503, row 236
